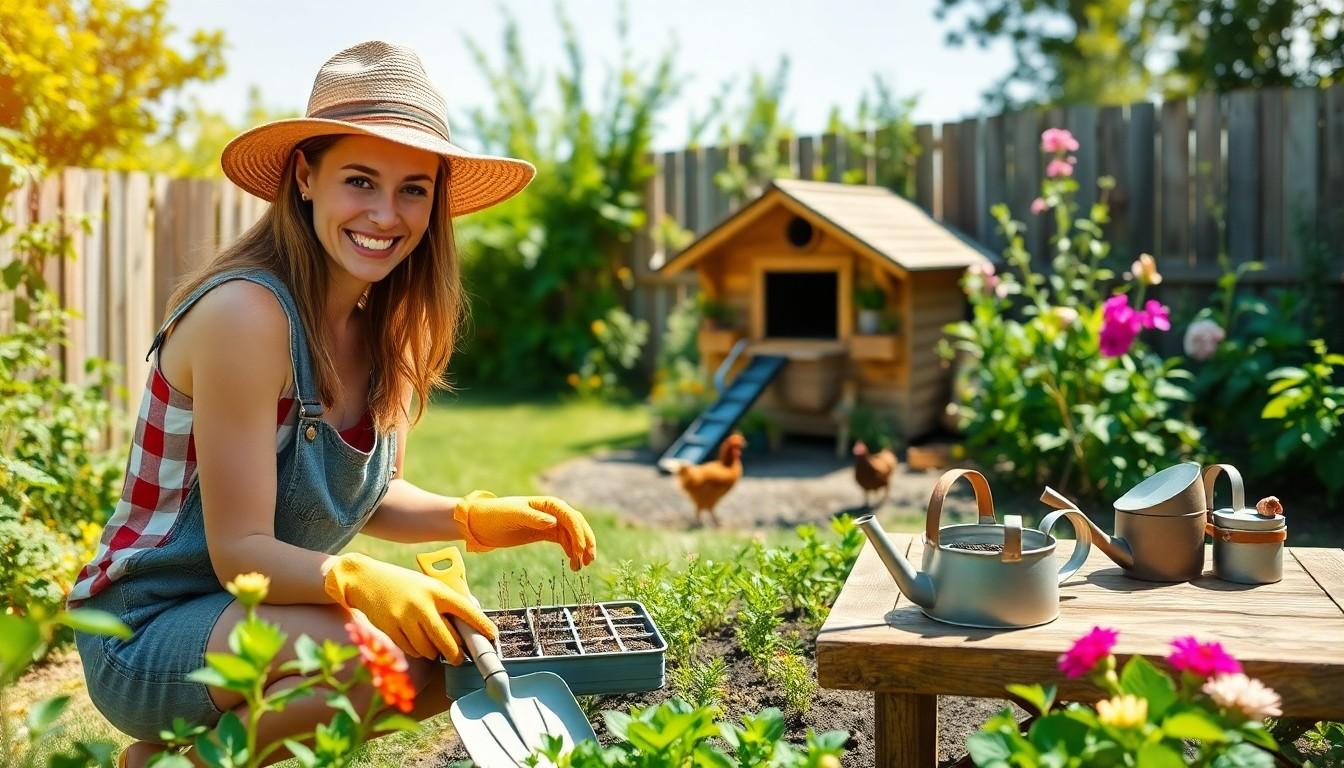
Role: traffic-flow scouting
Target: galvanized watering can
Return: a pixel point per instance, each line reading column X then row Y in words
column 983, row 574
column 1159, row 525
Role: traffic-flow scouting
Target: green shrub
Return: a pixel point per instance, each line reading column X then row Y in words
column 758, row 616
column 37, row 566
column 789, row 671
column 1308, row 409
column 702, row 683
column 609, row 365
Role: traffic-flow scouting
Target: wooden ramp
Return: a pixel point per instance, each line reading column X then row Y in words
column 703, row 436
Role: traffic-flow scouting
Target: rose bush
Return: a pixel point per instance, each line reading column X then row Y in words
column 1061, row 384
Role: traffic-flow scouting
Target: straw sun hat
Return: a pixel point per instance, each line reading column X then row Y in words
column 375, row 89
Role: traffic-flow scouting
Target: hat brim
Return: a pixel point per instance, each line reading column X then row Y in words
column 255, row 159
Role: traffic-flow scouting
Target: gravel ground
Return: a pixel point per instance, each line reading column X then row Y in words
column 802, row 482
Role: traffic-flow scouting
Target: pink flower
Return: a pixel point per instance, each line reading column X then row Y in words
column 1038, row 206
column 1058, row 168
column 1154, row 315
column 1058, row 140
column 1120, row 325
column 1202, row 339
column 1064, row 316
column 1086, row 651
column 1246, row 695
column 1201, row 659
column 981, row 279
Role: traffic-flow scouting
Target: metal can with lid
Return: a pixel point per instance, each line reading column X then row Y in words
column 1247, row 542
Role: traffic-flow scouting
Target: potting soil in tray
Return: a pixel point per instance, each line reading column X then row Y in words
column 597, row 648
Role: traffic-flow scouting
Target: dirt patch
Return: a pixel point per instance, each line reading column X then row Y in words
column 802, row 482
column 747, row 691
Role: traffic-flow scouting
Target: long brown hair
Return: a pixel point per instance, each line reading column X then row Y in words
column 411, row 317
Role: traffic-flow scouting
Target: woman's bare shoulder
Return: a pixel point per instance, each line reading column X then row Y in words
column 236, row 328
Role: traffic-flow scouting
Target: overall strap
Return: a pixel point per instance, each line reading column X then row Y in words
column 310, row 405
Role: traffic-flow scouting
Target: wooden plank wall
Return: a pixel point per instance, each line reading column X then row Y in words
column 1267, row 166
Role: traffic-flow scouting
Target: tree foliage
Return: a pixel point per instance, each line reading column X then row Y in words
column 542, row 267
column 83, row 82
column 1113, row 51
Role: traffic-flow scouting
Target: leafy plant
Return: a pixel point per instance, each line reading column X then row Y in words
column 719, row 314
column 1211, row 716
column 23, row 639
column 870, row 296
column 256, row 644
column 1308, row 406
column 675, row 734
column 702, row 683
column 878, row 430
column 1061, row 382
column 758, row 617
column 789, row 671
column 607, row 368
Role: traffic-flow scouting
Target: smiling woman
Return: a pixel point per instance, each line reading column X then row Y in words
column 273, row 427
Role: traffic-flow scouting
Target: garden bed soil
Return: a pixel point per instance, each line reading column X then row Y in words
column 747, row 691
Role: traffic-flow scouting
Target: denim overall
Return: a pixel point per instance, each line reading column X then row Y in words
column 170, row 597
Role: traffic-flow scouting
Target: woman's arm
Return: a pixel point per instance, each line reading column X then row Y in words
column 230, row 354
column 408, row 513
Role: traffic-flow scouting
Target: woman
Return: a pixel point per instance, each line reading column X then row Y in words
column 274, row 422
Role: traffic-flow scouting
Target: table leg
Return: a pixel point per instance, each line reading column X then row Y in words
column 906, row 730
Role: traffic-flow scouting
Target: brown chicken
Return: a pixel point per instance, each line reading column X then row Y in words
column 872, row 471
column 707, row 483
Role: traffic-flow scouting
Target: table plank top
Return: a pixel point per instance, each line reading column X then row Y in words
column 1289, row 634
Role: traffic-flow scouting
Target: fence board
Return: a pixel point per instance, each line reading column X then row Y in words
column 1243, row 176
column 1174, row 204
column 806, row 158
column 1081, row 120
column 1142, row 188
column 72, row 286
column 142, row 303
column 996, row 181
column 1332, row 184
column 951, row 174
column 690, row 190
column 1208, row 176
column 968, row 179
column 743, row 157
column 49, row 212
column 94, row 259
column 1112, row 160
column 716, row 160
column 832, row 154
column 1301, row 166
column 17, row 211
column 117, row 272
column 868, row 160
column 672, row 199
column 1272, row 229
column 924, row 171
column 1026, row 180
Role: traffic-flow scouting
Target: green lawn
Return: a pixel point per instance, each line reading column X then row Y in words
column 463, row 443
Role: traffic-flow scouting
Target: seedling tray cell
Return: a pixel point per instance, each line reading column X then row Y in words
column 597, row 648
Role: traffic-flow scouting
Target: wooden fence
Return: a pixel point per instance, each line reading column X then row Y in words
column 1270, row 162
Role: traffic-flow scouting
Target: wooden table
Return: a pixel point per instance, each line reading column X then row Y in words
column 1290, row 635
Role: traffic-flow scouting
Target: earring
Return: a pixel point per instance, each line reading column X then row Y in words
column 305, row 197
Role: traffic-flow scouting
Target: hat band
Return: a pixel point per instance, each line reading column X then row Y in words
column 349, row 111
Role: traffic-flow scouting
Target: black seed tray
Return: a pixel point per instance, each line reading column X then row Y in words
column 598, row 648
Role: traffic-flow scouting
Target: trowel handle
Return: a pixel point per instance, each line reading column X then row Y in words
column 446, row 566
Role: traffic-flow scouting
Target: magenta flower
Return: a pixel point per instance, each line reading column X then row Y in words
column 1120, row 325
column 1038, row 206
column 1058, row 140
column 1201, row 659
column 1155, row 315
column 1058, row 168
column 1087, row 651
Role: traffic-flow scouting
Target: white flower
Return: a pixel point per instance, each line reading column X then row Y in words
column 1244, row 694
column 1202, row 338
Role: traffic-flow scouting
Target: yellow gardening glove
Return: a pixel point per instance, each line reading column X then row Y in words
column 489, row 522
column 407, row 605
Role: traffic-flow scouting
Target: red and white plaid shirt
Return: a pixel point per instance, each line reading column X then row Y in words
column 160, row 473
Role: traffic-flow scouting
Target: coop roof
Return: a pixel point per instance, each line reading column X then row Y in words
column 871, row 219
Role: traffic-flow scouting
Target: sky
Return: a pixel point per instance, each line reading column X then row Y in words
column 834, row 49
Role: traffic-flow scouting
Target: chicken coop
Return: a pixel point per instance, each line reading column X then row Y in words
column 850, row 285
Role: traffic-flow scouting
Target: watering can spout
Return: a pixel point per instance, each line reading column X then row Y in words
column 916, row 586
column 1115, row 548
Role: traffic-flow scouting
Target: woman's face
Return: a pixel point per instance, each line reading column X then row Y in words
column 371, row 202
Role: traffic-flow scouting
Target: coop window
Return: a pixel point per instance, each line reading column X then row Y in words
column 802, row 305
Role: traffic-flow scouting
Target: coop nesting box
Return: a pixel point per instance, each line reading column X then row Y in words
column 787, row 266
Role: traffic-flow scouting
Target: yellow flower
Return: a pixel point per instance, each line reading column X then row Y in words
column 249, row 588
column 572, row 380
column 1126, row 711
column 598, row 327
column 594, row 381
column 829, row 761
column 624, row 274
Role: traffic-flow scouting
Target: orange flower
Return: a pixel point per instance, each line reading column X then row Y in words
column 388, row 666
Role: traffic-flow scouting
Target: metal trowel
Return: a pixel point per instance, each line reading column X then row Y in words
column 504, row 723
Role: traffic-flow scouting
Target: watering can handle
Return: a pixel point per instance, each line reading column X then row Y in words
column 984, row 501
column 1082, row 535
column 1233, row 476
column 454, row 576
